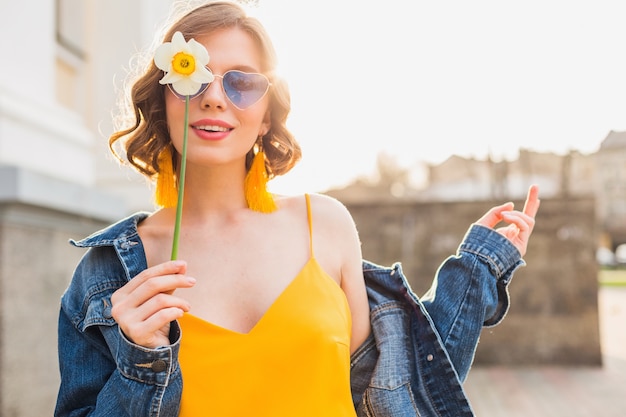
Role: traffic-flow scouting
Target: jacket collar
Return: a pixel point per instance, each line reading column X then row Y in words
column 121, row 231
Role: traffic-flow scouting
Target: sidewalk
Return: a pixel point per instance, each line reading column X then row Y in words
column 558, row 391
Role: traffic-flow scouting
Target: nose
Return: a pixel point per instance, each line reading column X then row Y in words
column 213, row 96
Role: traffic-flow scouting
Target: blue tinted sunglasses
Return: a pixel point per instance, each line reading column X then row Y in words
column 243, row 89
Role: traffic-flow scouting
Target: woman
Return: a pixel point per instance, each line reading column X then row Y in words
column 267, row 309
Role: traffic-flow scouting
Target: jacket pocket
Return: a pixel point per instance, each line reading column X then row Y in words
column 98, row 312
column 381, row 402
column 391, row 324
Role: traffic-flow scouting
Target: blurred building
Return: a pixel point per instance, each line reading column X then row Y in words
column 600, row 175
column 610, row 187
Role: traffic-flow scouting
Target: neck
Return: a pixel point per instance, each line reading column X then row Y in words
column 216, row 190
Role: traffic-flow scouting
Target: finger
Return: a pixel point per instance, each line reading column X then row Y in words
column 141, row 322
column 531, row 206
column 163, row 317
column 165, row 268
column 522, row 221
column 494, row 215
column 153, row 287
column 154, row 306
column 146, row 332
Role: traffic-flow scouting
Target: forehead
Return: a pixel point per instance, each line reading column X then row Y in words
column 232, row 48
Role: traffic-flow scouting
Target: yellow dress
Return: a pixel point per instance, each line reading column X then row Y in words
column 294, row 362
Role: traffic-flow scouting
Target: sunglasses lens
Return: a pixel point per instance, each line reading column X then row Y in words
column 244, row 89
column 201, row 90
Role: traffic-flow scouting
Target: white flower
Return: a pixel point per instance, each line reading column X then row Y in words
column 184, row 64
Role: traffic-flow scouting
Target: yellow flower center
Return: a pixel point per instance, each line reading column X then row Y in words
column 183, row 63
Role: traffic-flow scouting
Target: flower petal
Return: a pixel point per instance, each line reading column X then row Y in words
column 163, row 57
column 178, row 42
column 170, row 78
column 202, row 75
column 186, row 86
column 199, row 51
column 183, row 83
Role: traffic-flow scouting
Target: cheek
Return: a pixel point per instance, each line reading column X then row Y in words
column 175, row 115
column 258, row 116
column 173, row 107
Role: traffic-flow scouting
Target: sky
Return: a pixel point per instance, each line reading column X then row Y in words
column 422, row 80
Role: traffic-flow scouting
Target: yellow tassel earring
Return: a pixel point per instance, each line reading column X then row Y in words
column 257, row 196
column 166, row 190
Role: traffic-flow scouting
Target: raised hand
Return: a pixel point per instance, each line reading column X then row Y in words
column 520, row 223
column 145, row 306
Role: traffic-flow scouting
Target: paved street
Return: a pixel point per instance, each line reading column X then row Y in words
column 559, row 391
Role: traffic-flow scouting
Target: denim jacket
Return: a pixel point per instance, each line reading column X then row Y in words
column 412, row 364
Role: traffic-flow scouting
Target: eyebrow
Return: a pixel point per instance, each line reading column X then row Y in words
column 243, row 68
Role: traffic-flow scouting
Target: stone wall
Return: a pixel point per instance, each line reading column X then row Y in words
column 38, row 215
column 36, row 263
column 553, row 317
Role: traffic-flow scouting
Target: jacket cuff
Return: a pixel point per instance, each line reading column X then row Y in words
column 503, row 259
column 486, row 243
column 149, row 366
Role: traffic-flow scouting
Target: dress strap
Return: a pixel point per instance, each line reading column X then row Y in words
column 310, row 219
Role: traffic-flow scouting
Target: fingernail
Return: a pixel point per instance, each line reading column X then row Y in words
column 191, row 280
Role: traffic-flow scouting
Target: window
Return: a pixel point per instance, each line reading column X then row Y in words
column 71, row 52
column 70, row 28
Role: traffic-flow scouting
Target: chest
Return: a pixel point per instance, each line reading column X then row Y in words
column 239, row 273
column 234, row 289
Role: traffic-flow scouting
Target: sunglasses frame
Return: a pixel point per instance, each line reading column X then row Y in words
column 204, row 87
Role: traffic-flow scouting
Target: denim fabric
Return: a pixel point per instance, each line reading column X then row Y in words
column 420, row 351
column 413, row 364
column 102, row 372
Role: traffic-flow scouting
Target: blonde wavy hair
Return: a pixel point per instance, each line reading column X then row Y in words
column 148, row 134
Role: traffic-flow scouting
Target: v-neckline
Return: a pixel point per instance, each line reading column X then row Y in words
column 267, row 312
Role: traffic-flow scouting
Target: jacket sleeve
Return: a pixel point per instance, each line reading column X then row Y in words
column 470, row 291
column 137, row 382
column 102, row 372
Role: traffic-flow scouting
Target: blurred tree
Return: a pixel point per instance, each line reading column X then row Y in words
column 392, row 177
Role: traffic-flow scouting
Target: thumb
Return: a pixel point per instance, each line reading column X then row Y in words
column 494, row 215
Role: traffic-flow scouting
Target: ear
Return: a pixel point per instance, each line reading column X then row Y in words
column 266, row 125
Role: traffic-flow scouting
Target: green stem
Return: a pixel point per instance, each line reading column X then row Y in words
column 181, row 185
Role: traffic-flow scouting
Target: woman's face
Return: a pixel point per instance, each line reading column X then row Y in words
column 218, row 132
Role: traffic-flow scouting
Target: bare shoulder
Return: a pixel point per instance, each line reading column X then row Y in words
column 327, row 211
column 156, row 224
column 330, row 212
column 155, row 232
column 335, row 233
